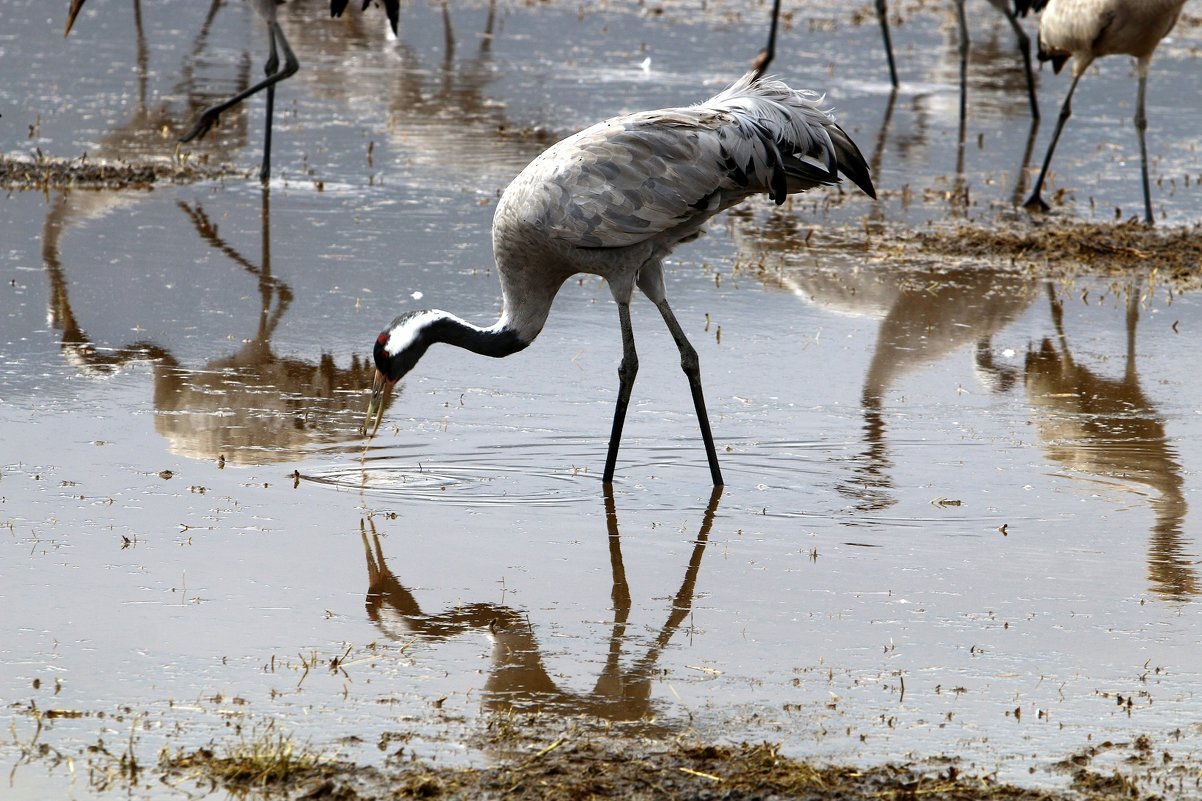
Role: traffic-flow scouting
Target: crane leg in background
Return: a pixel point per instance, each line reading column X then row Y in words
column 1141, row 125
column 882, row 14
column 213, row 113
column 1036, row 201
column 1024, row 46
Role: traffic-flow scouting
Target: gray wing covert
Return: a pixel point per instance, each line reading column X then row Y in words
column 628, row 180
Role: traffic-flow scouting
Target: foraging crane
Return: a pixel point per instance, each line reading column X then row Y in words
column 1013, row 9
column 1087, row 29
column 614, row 200
column 277, row 42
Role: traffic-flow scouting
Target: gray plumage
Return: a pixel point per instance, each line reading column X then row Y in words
column 614, row 200
column 1084, row 30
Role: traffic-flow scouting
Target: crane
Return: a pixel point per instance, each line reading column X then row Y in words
column 614, row 200
column 277, row 43
column 1084, row 30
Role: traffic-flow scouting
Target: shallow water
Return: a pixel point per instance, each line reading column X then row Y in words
column 958, row 519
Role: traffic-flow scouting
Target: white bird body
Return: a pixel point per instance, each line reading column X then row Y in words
column 1084, row 30
column 615, row 199
column 1089, row 29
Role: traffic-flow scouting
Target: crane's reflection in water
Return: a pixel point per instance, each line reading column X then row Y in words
column 926, row 315
column 518, row 678
column 1107, row 429
column 1096, row 428
column 251, row 406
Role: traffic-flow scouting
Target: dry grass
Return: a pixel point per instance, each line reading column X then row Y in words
column 1175, row 254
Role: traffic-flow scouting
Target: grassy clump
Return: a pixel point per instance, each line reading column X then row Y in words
column 264, row 760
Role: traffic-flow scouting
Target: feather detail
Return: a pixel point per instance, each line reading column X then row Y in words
column 664, row 173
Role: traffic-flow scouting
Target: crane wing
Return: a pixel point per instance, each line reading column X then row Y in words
column 635, row 177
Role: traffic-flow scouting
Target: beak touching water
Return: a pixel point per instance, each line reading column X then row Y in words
column 380, row 387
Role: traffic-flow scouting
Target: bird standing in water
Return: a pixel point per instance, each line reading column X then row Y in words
column 277, row 42
column 614, row 200
column 1087, row 29
column 266, row 11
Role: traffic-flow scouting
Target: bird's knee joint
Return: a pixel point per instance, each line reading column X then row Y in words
column 688, row 360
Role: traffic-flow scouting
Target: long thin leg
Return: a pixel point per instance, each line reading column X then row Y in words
column 211, row 114
column 761, row 61
column 964, row 43
column 692, row 368
column 1035, row 201
column 1020, row 185
column 1024, row 46
column 273, row 64
column 882, row 14
column 1141, row 125
column 627, row 370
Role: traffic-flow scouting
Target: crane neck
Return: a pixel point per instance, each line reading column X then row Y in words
column 497, row 340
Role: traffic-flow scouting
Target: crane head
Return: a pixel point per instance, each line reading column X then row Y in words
column 398, row 348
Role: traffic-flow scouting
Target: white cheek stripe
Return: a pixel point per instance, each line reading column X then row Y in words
column 404, row 334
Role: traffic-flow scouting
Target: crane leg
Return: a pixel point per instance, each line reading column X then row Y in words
column 210, row 115
column 1141, row 125
column 270, row 68
column 882, row 14
column 1035, row 201
column 692, row 368
column 964, row 44
column 627, row 370
column 765, row 56
column 1024, row 47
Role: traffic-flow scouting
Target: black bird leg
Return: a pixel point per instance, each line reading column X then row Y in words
column 882, row 14
column 1035, row 201
column 692, row 368
column 627, row 370
column 210, row 115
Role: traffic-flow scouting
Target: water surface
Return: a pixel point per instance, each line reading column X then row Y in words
column 961, row 507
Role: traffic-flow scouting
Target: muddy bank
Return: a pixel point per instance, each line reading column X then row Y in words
column 40, row 172
column 576, row 766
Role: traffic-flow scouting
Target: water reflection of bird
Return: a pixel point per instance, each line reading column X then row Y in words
column 277, row 43
column 1084, row 30
column 924, row 318
column 1108, row 428
column 614, row 200
column 249, row 406
column 517, row 676
column 1010, row 8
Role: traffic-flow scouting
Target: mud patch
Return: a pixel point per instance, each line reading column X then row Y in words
column 1175, row 254
column 575, row 766
column 44, row 173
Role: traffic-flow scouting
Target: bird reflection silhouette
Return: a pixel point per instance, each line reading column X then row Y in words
column 1107, row 428
column 925, row 316
column 517, row 675
column 249, row 406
